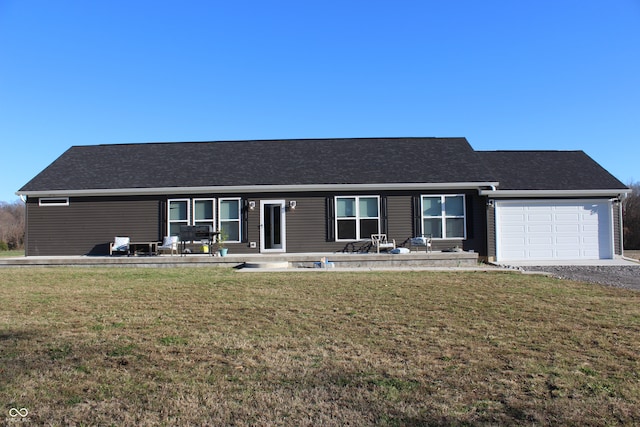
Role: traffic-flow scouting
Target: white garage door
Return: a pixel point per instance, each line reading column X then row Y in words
column 553, row 230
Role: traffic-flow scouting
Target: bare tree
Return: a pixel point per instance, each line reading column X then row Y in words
column 12, row 224
column 631, row 217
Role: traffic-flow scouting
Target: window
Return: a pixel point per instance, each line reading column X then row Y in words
column 203, row 212
column 190, row 212
column 229, row 217
column 357, row 217
column 443, row 217
column 53, row 201
column 179, row 214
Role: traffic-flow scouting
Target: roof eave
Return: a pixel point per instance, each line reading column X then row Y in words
column 259, row 189
column 613, row 192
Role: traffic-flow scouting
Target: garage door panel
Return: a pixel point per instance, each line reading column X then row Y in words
column 564, row 208
column 568, row 240
column 515, row 242
column 591, row 254
column 590, row 228
column 514, row 229
column 516, row 254
column 542, row 240
column 590, row 240
column 539, row 217
column 543, row 228
column 514, row 219
column 566, row 217
column 567, row 228
column 568, row 254
column 549, row 230
column 540, row 253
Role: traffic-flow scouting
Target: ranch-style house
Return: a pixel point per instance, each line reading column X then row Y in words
column 328, row 195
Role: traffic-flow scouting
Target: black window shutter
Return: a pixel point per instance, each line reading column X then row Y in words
column 469, row 216
column 384, row 226
column 417, row 217
column 245, row 221
column 330, row 215
column 163, row 219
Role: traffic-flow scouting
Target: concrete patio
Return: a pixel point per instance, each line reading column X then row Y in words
column 304, row 260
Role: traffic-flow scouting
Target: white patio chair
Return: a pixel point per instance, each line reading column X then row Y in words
column 421, row 241
column 169, row 243
column 380, row 241
column 119, row 245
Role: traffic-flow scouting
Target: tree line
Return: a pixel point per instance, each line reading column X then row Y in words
column 631, row 217
column 12, row 225
column 12, row 221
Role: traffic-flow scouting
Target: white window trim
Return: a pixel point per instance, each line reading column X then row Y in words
column 357, row 218
column 191, row 212
column 239, row 220
column 53, row 201
column 211, row 221
column 443, row 215
column 170, row 221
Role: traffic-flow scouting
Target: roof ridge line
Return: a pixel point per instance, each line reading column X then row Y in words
column 379, row 138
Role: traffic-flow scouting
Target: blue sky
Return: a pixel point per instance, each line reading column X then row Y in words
column 507, row 75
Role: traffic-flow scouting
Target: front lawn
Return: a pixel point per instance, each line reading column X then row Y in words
column 211, row 346
column 12, row 253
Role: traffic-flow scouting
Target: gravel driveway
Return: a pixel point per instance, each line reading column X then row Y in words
column 622, row 276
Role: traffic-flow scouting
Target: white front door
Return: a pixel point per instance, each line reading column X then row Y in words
column 272, row 226
column 553, row 230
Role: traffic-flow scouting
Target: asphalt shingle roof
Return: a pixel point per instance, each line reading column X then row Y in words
column 548, row 170
column 268, row 162
column 316, row 162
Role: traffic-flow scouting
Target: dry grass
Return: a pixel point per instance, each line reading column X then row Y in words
column 12, row 253
column 214, row 347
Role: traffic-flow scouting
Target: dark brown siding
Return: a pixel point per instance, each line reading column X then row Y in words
column 87, row 225
column 617, row 220
column 399, row 218
column 307, row 228
column 491, row 233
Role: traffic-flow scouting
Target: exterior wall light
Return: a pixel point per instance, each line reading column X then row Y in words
column 292, row 204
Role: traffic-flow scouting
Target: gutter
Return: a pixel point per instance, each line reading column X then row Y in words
column 259, row 189
column 617, row 192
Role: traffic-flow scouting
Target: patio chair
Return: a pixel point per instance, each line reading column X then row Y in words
column 380, row 241
column 424, row 240
column 119, row 245
column 169, row 243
